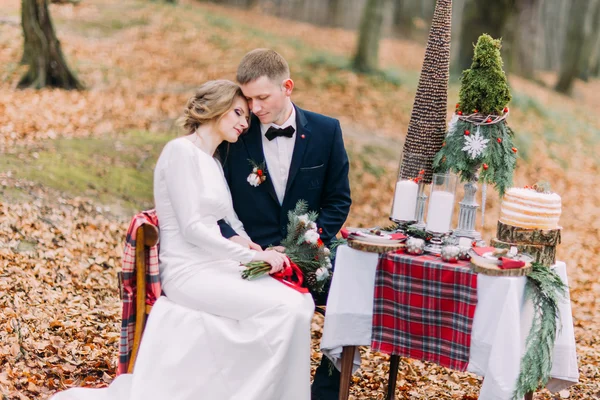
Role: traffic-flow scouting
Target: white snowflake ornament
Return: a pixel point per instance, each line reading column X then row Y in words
column 475, row 144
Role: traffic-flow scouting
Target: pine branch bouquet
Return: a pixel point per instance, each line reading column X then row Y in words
column 479, row 143
column 304, row 248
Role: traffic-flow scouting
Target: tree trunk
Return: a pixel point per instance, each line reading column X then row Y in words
column 402, row 20
column 252, row 3
column 550, row 16
column 26, row 40
column 525, row 46
column 47, row 65
column 573, row 46
column 457, row 15
column 595, row 57
column 335, row 13
column 427, row 8
column 592, row 23
column 480, row 16
column 367, row 51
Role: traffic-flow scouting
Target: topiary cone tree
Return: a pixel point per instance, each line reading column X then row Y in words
column 479, row 143
column 484, row 86
column 427, row 126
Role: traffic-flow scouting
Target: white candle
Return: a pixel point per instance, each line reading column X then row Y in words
column 439, row 214
column 405, row 200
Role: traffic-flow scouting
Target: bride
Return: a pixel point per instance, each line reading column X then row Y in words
column 214, row 336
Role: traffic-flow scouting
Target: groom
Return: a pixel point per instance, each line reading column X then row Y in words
column 305, row 158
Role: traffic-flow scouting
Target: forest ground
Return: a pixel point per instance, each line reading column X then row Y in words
column 74, row 166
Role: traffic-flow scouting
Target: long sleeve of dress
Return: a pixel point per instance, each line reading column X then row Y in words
column 232, row 219
column 188, row 195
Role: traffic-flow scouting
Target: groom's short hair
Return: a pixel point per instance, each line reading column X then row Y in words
column 262, row 62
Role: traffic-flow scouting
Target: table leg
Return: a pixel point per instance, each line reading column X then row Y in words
column 346, row 373
column 529, row 396
column 394, row 363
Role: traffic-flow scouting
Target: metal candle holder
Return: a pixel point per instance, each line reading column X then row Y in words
column 421, row 200
column 468, row 212
column 434, row 245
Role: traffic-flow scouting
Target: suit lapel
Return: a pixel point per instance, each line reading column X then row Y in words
column 302, row 139
column 253, row 141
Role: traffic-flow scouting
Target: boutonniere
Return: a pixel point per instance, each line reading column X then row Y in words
column 258, row 174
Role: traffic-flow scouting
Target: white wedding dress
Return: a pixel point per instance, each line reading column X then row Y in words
column 215, row 336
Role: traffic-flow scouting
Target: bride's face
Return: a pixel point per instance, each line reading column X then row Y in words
column 235, row 121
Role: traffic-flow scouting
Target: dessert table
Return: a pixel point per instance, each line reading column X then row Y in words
column 500, row 326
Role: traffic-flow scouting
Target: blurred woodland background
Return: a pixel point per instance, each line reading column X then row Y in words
column 76, row 164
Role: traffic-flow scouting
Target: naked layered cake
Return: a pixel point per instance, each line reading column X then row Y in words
column 529, row 220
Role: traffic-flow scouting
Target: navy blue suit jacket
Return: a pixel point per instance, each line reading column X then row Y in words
column 318, row 174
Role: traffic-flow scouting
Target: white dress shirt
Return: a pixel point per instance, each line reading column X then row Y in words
column 278, row 155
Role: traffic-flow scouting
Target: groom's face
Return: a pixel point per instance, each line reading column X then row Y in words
column 269, row 99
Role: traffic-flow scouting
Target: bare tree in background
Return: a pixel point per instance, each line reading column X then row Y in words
column 252, row 3
column 427, row 9
column 553, row 24
column 457, row 14
column 402, row 20
column 576, row 37
column 595, row 56
column 525, row 43
column 367, row 51
column 42, row 51
column 335, row 12
column 592, row 23
column 27, row 47
column 481, row 16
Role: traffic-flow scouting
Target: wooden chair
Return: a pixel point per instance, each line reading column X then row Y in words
column 147, row 235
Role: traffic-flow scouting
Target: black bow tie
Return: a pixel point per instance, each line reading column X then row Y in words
column 273, row 132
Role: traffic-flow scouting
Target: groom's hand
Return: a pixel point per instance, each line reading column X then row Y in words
column 245, row 242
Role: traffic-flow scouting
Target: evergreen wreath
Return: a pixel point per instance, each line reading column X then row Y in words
column 545, row 288
column 478, row 136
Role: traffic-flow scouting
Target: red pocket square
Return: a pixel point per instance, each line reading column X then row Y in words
column 508, row 263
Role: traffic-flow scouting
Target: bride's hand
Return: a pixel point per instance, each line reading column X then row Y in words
column 245, row 242
column 280, row 249
column 274, row 258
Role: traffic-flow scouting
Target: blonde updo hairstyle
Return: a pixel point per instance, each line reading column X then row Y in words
column 212, row 100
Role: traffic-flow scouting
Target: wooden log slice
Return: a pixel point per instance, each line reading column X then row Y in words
column 545, row 255
column 482, row 267
column 514, row 234
column 374, row 247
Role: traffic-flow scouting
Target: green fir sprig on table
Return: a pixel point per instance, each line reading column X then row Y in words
column 545, row 289
column 418, row 233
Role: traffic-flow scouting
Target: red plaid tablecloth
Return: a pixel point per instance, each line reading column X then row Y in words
column 423, row 308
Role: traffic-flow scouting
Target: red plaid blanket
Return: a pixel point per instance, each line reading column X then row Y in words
column 423, row 309
column 128, row 278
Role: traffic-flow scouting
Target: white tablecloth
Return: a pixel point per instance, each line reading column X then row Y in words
column 500, row 325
